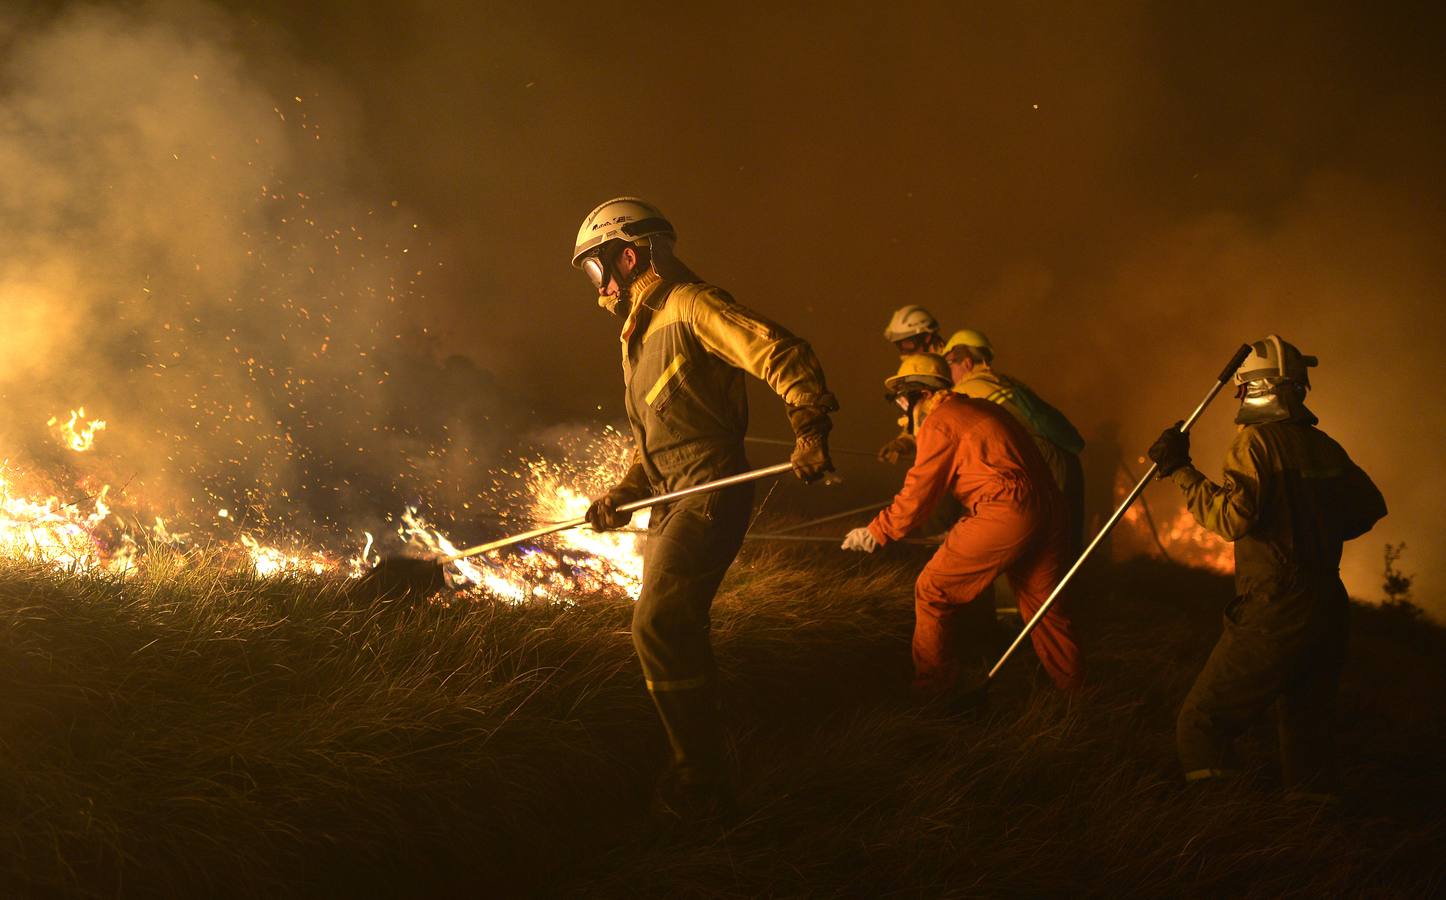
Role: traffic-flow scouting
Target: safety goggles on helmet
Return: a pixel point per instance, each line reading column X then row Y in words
column 915, row 343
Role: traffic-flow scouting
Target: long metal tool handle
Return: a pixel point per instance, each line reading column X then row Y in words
column 740, row 478
column 1225, row 375
column 872, row 507
column 801, row 538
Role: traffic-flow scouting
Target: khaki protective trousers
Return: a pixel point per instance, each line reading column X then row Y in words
column 1284, row 647
column 1022, row 538
column 691, row 543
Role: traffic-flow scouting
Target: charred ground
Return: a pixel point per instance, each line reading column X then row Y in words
column 192, row 732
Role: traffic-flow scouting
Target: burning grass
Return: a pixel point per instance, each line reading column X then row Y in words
column 195, row 730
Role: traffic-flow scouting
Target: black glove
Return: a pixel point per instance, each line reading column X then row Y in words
column 902, row 447
column 1172, row 450
column 603, row 514
column 811, row 426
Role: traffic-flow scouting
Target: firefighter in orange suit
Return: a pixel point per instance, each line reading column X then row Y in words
column 1015, row 523
column 685, row 348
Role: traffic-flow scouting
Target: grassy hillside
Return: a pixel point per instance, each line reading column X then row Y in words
column 194, row 732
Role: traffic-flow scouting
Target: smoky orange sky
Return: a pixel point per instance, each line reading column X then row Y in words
column 1117, row 194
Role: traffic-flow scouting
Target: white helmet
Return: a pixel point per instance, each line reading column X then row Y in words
column 908, row 321
column 621, row 218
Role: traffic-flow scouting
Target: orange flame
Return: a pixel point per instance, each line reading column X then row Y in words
column 78, row 439
column 567, row 563
column 556, row 568
column 1175, row 534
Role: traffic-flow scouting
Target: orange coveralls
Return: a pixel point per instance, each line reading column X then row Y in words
column 1014, row 522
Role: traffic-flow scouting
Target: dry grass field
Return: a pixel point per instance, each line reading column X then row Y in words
column 193, row 731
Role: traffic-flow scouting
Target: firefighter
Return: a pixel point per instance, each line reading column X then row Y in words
column 911, row 329
column 685, row 348
column 970, row 357
column 1290, row 497
column 1014, row 523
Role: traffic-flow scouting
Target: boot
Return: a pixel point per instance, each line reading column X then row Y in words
column 696, row 787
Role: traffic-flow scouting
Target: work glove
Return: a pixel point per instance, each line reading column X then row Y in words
column 860, row 539
column 901, row 448
column 603, row 514
column 811, row 426
column 1172, row 450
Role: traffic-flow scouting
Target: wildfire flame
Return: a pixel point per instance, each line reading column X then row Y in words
column 1176, row 535
column 83, row 535
column 270, row 561
column 79, row 439
column 562, row 565
column 51, row 530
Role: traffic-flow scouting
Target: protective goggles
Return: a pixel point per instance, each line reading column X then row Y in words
column 599, row 264
column 914, row 343
column 907, row 397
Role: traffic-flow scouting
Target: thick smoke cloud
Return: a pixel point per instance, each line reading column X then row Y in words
column 1119, row 194
column 181, row 251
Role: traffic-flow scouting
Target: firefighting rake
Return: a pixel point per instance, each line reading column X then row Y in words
column 418, row 576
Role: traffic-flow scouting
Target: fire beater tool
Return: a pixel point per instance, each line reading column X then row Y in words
column 419, row 576
column 976, row 696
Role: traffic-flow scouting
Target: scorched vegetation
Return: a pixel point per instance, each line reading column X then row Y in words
column 197, row 731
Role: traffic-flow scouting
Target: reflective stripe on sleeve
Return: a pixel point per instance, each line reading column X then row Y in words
column 1004, row 395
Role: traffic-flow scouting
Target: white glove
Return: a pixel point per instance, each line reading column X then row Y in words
column 859, row 539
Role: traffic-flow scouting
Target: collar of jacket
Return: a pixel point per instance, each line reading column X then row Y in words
column 980, row 372
column 942, row 400
column 644, row 294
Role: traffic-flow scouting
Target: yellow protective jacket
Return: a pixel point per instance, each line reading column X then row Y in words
column 1056, row 438
column 1289, row 499
column 685, row 347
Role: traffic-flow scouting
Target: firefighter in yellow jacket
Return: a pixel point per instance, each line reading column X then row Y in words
column 1290, row 497
column 685, row 349
column 970, row 357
